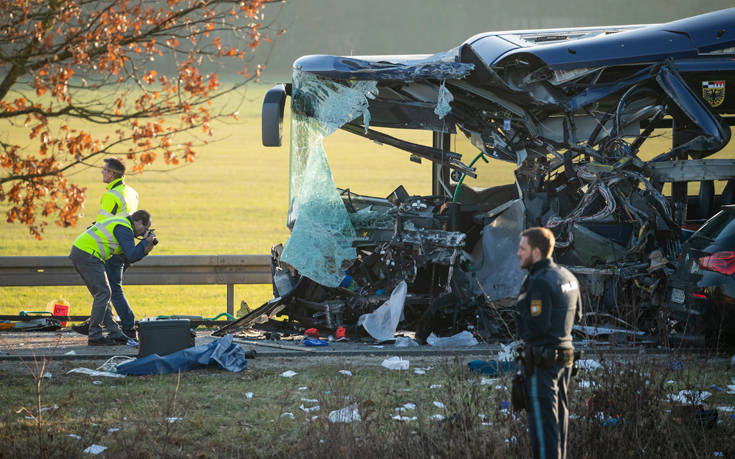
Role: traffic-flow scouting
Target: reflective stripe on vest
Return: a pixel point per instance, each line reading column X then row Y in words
column 126, row 199
column 99, row 239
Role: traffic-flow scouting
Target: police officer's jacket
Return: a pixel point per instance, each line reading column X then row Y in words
column 547, row 305
column 119, row 199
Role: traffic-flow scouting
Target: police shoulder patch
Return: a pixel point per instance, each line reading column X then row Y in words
column 535, row 308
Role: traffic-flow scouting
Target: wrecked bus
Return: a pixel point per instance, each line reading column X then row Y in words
column 572, row 109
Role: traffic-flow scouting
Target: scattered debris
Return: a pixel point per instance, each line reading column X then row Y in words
column 395, row 363
column 90, row 372
column 347, row 414
column 309, row 409
column 248, row 395
column 690, row 397
column 289, row 374
column 94, row 449
column 345, row 372
column 461, row 339
column 588, row 365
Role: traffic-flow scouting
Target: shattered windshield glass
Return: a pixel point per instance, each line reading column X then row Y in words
column 320, row 245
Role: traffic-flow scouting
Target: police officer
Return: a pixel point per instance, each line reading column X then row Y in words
column 119, row 199
column 547, row 304
column 88, row 255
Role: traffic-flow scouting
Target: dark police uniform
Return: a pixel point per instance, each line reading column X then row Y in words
column 547, row 305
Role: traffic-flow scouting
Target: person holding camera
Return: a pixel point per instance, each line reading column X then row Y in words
column 119, row 199
column 548, row 303
column 89, row 253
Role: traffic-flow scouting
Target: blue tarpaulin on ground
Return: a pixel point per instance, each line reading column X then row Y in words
column 222, row 351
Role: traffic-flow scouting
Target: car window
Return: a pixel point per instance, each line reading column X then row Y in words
column 719, row 227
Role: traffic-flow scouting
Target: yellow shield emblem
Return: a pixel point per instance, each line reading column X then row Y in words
column 714, row 92
column 535, row 308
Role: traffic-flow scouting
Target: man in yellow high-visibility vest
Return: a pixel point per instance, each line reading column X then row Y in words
column 119, row 199
column 89, row 253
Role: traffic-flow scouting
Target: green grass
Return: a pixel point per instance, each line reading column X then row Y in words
column 233, row 200
column 217, row 419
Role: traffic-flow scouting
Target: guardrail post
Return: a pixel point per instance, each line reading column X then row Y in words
column 231, row 299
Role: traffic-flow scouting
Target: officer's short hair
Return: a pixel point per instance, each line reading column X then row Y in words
column 540, row 238
column 116, row 166
column 142, row 216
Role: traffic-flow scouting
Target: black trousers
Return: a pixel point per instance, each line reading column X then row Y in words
column 548, row 415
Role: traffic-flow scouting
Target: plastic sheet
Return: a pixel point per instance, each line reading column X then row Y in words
column 222, row 352
column 382, row 323
column 498, row 270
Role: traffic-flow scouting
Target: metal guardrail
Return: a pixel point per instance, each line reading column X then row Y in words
column 152, row 270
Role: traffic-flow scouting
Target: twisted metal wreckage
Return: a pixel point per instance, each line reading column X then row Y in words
column 571, row 108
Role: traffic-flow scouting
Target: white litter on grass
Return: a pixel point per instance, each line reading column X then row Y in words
column 690, row 396
column 90, row 372
column 314, row 418
column 731, row 389
column 501, row 387
column 437, row 417
column 303, row 388
column 44, row 409
column 47, row 375
column 345, row 372
column 439, row 404
column 670, row 381
column 488, row 381
column 248, row 395
column 347, row 414
column 287, row 415
column 419, row 371
column 406, row 407
column 395, row 363
column 583, row 384
column 435, row 386
column 74, row 436
column 113, row 429
column 726, row 409
column 94, row 449
column 70, row 353
column 588, row 365
column 398, row 417
column 310, row 400
column 309, row 409
column 289, row 374
column 97, row 383
column 172, row 420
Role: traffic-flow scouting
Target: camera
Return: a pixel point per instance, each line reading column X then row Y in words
column 151, row 232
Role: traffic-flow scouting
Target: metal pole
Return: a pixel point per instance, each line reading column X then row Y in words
column 231, row 299
column 441, row 141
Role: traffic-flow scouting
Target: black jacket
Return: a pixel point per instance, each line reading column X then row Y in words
column 547, row 305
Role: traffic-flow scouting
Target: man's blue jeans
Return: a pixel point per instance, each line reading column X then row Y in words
column 115, row 268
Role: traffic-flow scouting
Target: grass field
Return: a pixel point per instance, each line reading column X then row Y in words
column 232, row 200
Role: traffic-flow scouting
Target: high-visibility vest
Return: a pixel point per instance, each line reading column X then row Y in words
column 119, row 199
column 99, row 239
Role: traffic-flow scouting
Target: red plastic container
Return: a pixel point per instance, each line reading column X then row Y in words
column 61, row 310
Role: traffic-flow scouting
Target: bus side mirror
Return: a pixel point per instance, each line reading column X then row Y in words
column 272, row 116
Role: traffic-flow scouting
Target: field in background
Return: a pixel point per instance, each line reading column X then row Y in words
column 233, row 200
